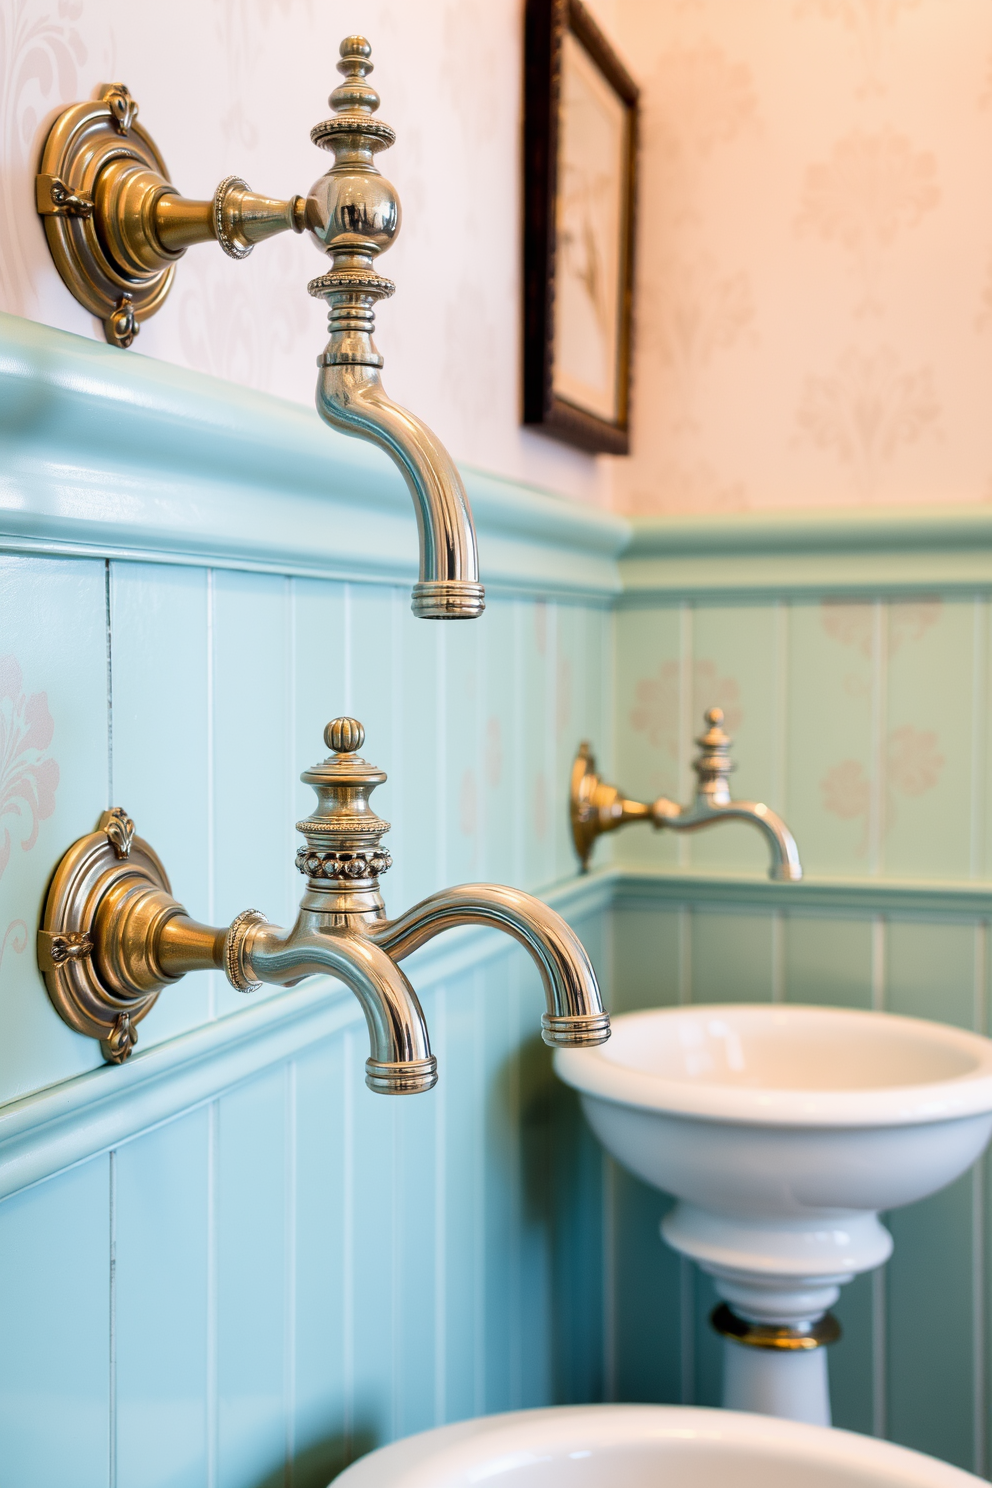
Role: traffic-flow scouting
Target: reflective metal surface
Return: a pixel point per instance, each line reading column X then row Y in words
column 116, row 228
column 596, row 807
column 353, row 215
column 112, row 934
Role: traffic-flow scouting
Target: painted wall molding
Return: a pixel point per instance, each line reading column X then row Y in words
column 901, row 550
column 55, row 1128
column 112, row 454
column 862, row 898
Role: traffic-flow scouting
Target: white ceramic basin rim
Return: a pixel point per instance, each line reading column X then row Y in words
column 795, row 1066
column 641, row 1446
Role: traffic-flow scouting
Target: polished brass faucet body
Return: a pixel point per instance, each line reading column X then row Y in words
column 117, row 228
column 596, row 807
column 113, row 936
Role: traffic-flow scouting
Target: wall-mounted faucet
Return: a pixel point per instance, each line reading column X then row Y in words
column 117, row 227
column 597, row 807
column 113, row 937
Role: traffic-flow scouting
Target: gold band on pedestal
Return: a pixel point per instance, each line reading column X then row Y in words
column 767, row 1336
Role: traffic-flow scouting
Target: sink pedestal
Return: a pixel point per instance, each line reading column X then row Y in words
column 777, row 1277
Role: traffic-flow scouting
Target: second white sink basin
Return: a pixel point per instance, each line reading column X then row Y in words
column 782, row 1131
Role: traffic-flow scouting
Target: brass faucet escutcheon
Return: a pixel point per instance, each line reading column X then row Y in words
column 117, row 228
column 112, row 936
column 596, row 807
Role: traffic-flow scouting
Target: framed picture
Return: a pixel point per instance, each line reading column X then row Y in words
column 579, row 169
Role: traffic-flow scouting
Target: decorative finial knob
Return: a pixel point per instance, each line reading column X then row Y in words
column 354, row 94
column 714, row 717
column 344, row 735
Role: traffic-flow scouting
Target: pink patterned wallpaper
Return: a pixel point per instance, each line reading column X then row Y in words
column 815, row 275
column 234, row 86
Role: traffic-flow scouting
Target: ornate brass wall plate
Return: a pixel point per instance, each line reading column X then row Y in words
column 86, row 140
column 108, row 873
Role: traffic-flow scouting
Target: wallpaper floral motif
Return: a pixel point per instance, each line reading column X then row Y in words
column 29, row 776
column 815, row 254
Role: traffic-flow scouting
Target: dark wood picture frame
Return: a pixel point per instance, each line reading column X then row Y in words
column 547, row 24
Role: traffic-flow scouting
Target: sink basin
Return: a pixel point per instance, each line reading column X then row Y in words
column 642, row 1446
column 782, row 1131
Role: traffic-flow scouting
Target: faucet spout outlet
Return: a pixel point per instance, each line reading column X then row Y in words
column 113, row 937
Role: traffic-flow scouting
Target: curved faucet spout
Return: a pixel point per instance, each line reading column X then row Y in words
column 784, row 864
column 575, row 1013
column 351, row 398
column 401, row 1062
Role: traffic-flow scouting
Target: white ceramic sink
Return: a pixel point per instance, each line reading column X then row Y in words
column 645, row 1446
column 782, row 1131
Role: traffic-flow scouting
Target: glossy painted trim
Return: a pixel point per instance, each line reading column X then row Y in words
column 858, row 897
column 842, row 551
column 53, row 1129
column 111, row 454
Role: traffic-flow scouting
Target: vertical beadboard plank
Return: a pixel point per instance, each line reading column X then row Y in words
column 734, row 668
column 462, row 782
column 536, row 1193
column 828, row 960
column 161, row 1198
column 646, row 958
column 53, row 699
column 500, row 803
column 648, row 671
column 829, row 730
column 536, row 712
column 419, row 1138
column 732, row 956
column 161, row 764
column 461, row 1110
column 416, row 843
column 251, row 1262
column 253, row 786
column 372, row 1217
column 569, row 705
column 930, row 1390
column 647, row 1302
column 319, row 662
column 320, row 1420
column 55, row 1326
column 501, row 1165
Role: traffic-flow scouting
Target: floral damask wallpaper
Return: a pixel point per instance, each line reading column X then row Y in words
column 234, row 86
column 815, row 243
column 815, row 254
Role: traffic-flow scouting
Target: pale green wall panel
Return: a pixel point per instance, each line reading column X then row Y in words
column 737, row 665
column 160, row 675
column 453, row 1263
column 535, row 667
column 646, row 1305
column 254, row 842
column 252, row 1266
column 851, row 1360
column 830, row 770
column 646, row 958
column 828, row 960
column 319, row 1303
column 55, row 1326
column 418, row 786
column 458, row 741
column 929, row 753
column 930, row 971
column 732, row 956
column 162, row 1284
column 53, row 787
column 649, row 725
column 929, row 1296
column 504, row 727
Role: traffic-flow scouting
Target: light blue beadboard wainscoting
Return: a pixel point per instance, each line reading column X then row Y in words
column 227, row 1263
